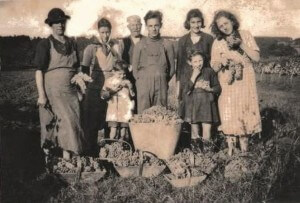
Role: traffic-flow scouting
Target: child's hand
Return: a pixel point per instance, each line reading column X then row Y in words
column 207, row 88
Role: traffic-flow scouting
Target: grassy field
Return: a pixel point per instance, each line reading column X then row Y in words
column 277, row 153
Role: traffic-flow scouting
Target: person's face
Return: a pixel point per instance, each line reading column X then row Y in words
column 195, row 24
column 134, row 27
column 120, row 74
column 225, row 25
column 153, row 26
column 58, row 28
column 197, row 62
column 104, row 33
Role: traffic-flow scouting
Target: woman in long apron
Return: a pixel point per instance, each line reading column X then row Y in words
column 57, row 62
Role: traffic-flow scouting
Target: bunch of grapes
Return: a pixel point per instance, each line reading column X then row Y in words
column 157, row 114
column 112, row 151
column 204, row 163
column 180, row 164
column 235, row 71
column 187, row 162
column 84, row 164
column 128, row 159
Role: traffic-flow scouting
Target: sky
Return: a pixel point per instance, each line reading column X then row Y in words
column 260, row 17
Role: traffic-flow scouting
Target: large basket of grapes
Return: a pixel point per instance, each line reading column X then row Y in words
column 156, row 130
column 78, row 169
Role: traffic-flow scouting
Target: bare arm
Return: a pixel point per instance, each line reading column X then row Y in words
column 250, row 48
column 253, row 54
column 39, row 77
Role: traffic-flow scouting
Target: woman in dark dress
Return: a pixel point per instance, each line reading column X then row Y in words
column 57, row 62
column 194, row 40
column 98, row 60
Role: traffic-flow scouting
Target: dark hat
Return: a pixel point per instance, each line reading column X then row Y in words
column 56, row 15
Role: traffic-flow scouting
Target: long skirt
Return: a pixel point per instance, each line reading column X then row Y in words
column 60, row 120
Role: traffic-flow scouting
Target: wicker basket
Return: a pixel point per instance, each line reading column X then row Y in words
column 159, row 138
column 82, row 177
column 91, row 177
column 141, row 170
column 184, row 182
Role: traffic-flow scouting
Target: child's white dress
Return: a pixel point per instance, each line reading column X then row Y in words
column 120, row 106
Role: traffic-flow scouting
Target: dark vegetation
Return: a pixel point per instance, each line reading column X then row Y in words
column 17, row 52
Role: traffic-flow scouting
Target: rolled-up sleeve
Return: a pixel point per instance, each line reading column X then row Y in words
column 42, row 55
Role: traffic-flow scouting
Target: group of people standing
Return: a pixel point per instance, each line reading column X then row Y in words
column 123, row 77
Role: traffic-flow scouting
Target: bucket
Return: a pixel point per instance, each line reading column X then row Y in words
column 159, row 138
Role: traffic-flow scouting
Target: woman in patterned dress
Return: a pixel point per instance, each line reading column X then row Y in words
column 233, row 53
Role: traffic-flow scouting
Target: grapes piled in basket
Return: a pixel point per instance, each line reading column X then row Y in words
column 84, row 164
column 111, row 151
column 157, row 114
column 187, row 163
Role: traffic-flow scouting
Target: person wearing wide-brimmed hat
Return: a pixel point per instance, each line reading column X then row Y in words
column 57, row 62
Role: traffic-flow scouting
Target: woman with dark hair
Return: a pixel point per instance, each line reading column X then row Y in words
column 57, row 62
column 194, row 40
column 233, row 52
column 98, row 60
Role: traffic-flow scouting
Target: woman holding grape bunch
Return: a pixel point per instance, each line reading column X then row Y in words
column 233, row 52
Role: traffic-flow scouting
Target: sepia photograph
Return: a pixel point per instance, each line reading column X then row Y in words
column 149, row 101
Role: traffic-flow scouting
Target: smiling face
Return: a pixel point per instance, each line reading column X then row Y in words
column 153, row 26
column 104, row 33
column 225, row 25
column 195, row 24
column 197, row 62
column 58, row 28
